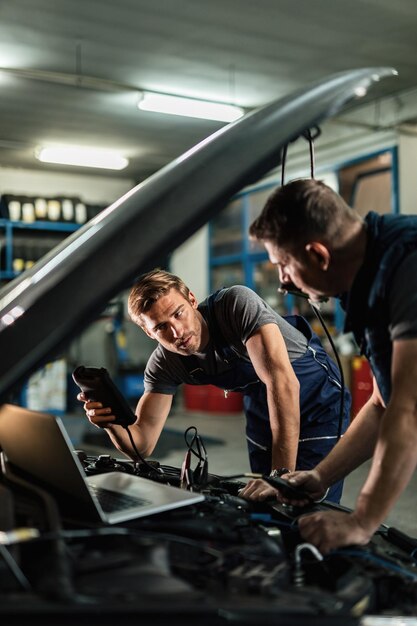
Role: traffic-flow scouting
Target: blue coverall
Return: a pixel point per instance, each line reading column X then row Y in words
column 324, row 414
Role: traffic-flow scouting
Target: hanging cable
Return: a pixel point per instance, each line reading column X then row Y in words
column 283, row 162
column 339, row 365
column 311, row 136
column 311, row 147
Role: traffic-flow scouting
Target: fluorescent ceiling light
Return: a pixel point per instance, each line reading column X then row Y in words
column 83, row 157
column 189, row 107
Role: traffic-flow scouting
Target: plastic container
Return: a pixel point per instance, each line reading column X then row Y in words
column 361, row 383
column 208, row 398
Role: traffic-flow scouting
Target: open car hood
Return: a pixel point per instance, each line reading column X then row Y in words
column 44, row 308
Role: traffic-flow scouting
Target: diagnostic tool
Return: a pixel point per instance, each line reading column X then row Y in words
column 97, row 386
column 287, row 490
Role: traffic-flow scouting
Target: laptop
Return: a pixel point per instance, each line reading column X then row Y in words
column 38, row 445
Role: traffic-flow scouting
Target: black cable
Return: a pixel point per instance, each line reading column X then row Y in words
column 310, row 138
column 339, row 364
column 300, row 294
column 311, row 147
column 15, row 569
column 196, row 446
column 201, row 452
column 139, row 456
column 283, row 162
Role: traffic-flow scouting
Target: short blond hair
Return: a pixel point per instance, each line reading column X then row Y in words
column 149, row 288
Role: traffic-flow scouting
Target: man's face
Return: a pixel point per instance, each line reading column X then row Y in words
column 175, row 323
column 300, row 270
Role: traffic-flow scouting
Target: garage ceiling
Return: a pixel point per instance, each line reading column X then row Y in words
column 72, row 69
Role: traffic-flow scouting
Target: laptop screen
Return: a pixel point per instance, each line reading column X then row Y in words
column 37, row 444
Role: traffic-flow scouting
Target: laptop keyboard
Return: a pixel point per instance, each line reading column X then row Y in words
column 112, row 501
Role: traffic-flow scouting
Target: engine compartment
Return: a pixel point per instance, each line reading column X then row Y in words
column 221, row 560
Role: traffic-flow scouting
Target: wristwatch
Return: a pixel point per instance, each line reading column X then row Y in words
column 279, row 472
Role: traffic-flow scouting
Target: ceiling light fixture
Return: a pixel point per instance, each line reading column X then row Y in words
column 189, row 107
column 82, row 157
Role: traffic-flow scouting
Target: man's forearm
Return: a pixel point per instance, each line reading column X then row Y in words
column 285, row 427
column 121, row 441
column 268, row 353
column 151, row 412
column 394, row 462
column 284, row 455
column 355, row 447
column 395, row 455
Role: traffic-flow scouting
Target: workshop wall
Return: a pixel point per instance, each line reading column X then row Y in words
column 407, row 157
column 351, row 136
column 92, row 189
column 190, row 261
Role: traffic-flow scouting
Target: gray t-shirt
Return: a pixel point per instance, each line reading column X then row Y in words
column 239, row 312
column 403, row 300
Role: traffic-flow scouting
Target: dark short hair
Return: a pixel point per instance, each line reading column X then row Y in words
column 299, row 211
column 149, row 288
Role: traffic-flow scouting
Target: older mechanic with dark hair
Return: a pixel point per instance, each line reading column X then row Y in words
column 235, row 341
column 323, row 247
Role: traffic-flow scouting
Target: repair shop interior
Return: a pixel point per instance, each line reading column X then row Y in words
column 171, row 375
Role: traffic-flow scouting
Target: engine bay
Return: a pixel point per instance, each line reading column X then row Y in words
column 224, row 559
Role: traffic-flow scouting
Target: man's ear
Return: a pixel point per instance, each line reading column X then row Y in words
column 192, row 300
column 147, row 332
column 142, row 325
column 319, row 254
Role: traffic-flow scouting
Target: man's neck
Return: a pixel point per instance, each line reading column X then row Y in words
column 205, row 336
column 349, row 256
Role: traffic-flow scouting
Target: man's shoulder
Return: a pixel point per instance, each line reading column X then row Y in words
column 235, row 292
column 237, row 300
column 240, row 306
column 160, row 355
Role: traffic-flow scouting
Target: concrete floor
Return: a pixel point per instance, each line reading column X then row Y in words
column 230, row 457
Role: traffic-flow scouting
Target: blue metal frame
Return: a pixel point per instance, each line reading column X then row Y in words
column 42, row 225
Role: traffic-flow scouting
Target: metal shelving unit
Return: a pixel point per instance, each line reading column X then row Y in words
column 38, row 231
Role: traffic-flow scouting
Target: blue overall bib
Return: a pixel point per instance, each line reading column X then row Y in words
column 320, row 398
